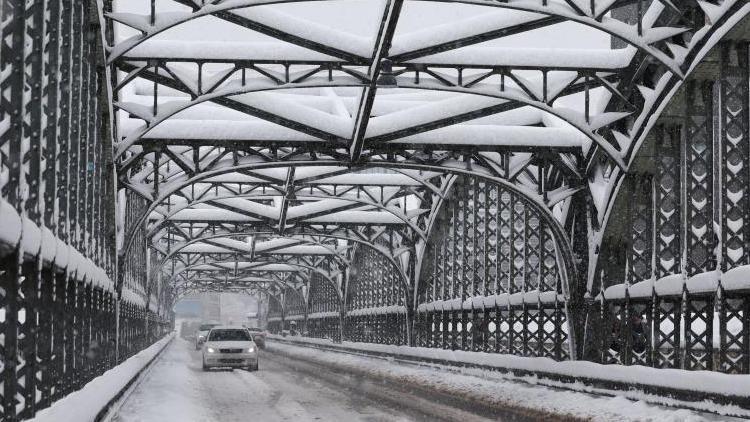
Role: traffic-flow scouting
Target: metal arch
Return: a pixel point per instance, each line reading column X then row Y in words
column 533, row 197
column 271, row 277
column 376, row 248
column 434, row 212
column 582, row 19
column 134, row 137
column 389, row 210
column 539, row 105
column 172, row 254
column 343, row 170
column 234, row 281
column 175, row 187
column 292, row 235
column 182, row 291
column 248, row 272
column 180, row 294
column 304, row 236
column 205, row 10
column 570, row 15
column 728, row 20
column 702, row 47
column 289, row 235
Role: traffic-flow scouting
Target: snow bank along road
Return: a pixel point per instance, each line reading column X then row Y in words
column 302, row 384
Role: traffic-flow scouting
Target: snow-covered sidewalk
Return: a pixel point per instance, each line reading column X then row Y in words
column 84, row 405
column 494, row 389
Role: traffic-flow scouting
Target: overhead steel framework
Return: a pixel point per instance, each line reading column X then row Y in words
column 557, row 178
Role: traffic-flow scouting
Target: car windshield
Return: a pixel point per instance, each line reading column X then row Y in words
column 206, row 327
column 228, row 335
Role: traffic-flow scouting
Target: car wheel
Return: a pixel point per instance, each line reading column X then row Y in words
column 254, row 367
column 205, row 368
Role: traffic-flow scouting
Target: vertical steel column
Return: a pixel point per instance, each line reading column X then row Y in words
column 641, row 238
column 10, row 350
column 699, row 164
column 69, row 377
column 74, row 149
column 45, row 335
column 58, row 340
column 80, row 333
column 12, row 60
column 62, row 124
column 735, row 144
column 668, row 204
column 49, row 329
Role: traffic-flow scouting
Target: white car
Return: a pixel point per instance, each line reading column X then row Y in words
column 200, row 336
column 230, row 347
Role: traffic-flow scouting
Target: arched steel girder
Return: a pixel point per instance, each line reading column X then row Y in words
column 149, row 30
column 301, row 233
column 664, row 92
column 244, row 230
column 249, row 272
column 231, row 167
column 594, row 20
column 390, row 257
column 515, row 97
column 567, row 12
column 391, row 210
column 267, row 259
column 241, row 280
column 279, row 271
column 185, row 289
column 586, row 129
column 298, row 240
column 442, row 164
column 535, row 200
column 266, row 85
column 282, row 186
column 434, row 212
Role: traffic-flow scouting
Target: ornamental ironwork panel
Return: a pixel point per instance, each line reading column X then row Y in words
column 641, row 240
column 668, row 209
column 476, row 312
column 699, row 165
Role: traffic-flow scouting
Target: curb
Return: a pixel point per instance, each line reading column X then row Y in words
column 101, row 416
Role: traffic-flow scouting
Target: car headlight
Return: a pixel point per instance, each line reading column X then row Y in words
column 210, row 350
column 251, row 349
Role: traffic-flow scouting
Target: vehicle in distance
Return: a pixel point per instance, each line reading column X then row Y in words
column 258, row 335
column 200, row 336
column 231, row 347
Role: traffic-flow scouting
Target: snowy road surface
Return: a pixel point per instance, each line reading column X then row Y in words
column 176, row 389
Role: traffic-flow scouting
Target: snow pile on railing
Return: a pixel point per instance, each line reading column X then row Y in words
column 17, row 231
column 380, row 310
column 317, row 315
column 294, row 317
column 503, row 300
column 673, row 285
column 85, row 404
column 133, row 297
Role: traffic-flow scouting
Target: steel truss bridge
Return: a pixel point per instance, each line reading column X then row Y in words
column 450, row 185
